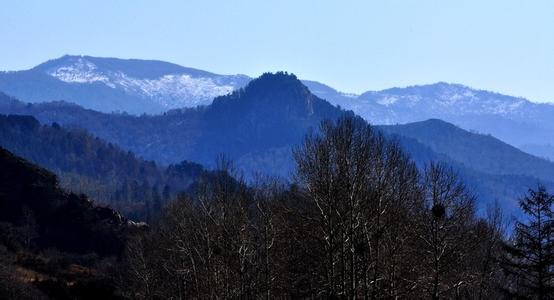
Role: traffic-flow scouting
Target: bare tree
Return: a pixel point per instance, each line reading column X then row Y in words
column 359, row 221
column 445, row 232
column 359, row 183
column 490, row 236
column 334, row 168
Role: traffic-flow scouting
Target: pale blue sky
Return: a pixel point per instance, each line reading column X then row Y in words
column 354, row 46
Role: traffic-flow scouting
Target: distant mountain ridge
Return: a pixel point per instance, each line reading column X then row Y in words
column 483, row 153
column 112, row 84
column 487, row 164
column 517, row 121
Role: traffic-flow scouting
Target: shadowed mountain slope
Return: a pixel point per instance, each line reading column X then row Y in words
column 30, row 195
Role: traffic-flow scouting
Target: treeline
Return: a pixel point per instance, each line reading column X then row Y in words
column 359, row 220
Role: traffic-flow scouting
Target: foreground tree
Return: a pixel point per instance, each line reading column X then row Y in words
column 334, row 168
column 445, row 233
column 363, row 189
column 490, row 236
column 530, row 256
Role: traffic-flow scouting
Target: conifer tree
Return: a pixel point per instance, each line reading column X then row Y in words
column 529, row 257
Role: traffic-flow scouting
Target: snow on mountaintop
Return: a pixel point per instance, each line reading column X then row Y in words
column 444, row 98
column 175, row 87
column 82, row 71
column 512, row 119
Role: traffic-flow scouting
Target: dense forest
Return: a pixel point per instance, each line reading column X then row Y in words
column 359, row 220
column 88, row 165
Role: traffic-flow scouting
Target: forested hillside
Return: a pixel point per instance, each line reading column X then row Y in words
column 481, row 152
column 54, row 243
column 101, row 170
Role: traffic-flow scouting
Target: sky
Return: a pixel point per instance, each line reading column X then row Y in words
column 354, row 46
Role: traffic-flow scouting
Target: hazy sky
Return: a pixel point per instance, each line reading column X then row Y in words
column 354, row 46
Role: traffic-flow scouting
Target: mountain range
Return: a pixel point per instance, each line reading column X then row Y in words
column 517, row 121
column 153, row 87
column 258, row 126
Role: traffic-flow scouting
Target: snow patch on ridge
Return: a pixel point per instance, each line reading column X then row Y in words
column 82, row 71
column 388, row 100
column 170, row 91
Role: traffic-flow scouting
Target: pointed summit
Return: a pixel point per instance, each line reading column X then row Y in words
column 279, row 82
column 277, row 93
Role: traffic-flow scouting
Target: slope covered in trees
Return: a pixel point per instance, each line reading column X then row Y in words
column 64, row 220
column 53, row 243
column 480, row 152
column 88, row 165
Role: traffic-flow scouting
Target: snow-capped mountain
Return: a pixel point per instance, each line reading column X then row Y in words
column 416, row 103
column 447, row 99
column 518, row 121
column 108, row 84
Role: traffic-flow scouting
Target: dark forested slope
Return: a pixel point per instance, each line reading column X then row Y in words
column 55, row 244
column 89, row 165
column 30, row 195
